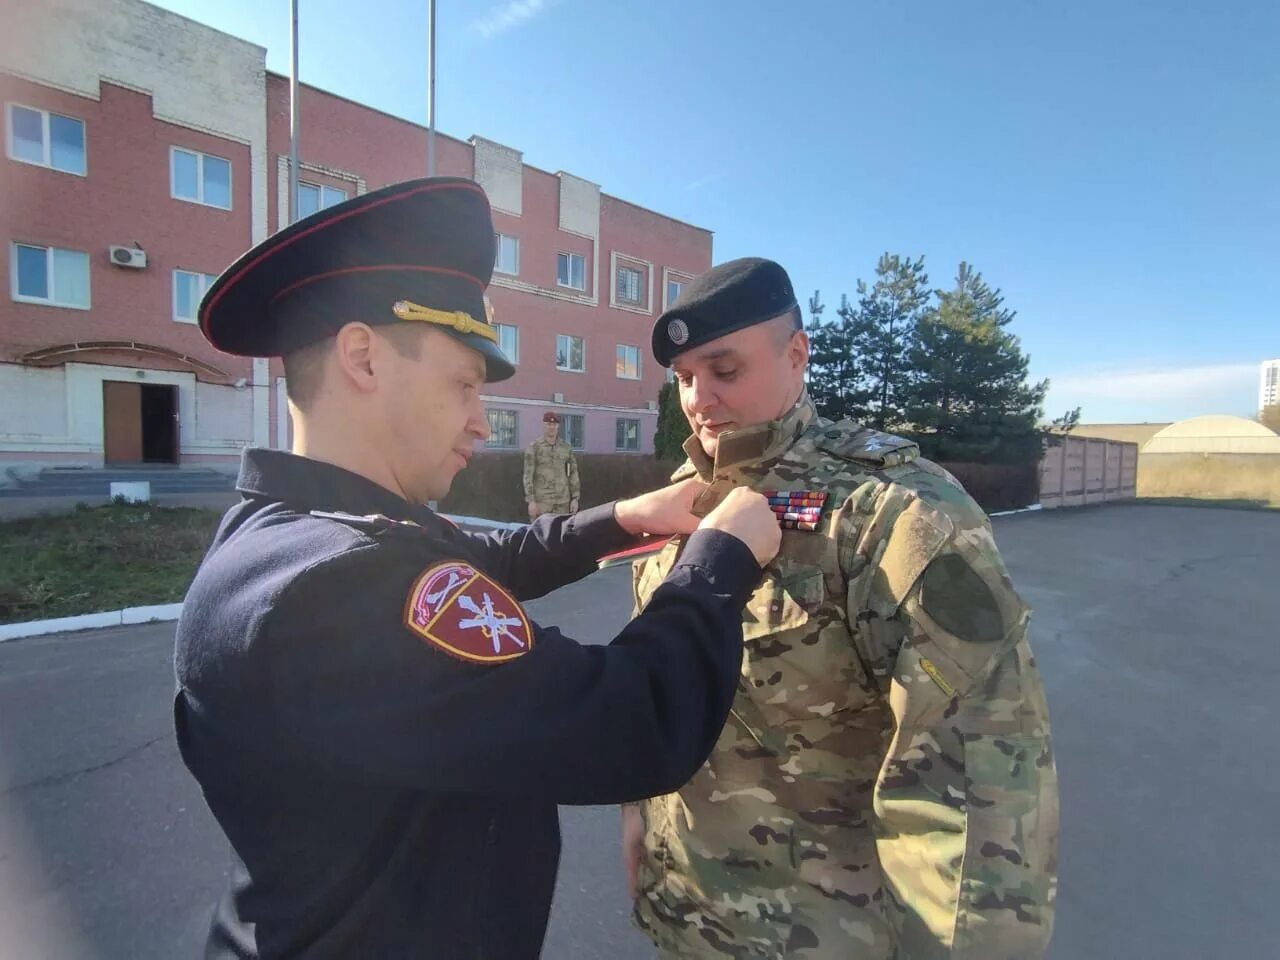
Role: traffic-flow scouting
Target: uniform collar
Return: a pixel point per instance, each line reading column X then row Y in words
column 307, row 484
column 754, row 445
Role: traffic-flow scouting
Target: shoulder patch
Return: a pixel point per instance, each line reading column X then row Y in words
column 851, row 441
column 960, row 601
column 455, row 607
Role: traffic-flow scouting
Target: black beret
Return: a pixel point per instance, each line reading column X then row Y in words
column 412, row 252
column 734, row 295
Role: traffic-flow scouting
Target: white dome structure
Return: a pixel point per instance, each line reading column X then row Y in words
column 1214, row 434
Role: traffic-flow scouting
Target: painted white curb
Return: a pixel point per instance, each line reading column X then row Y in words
column 1010, row 513
column 90, row 621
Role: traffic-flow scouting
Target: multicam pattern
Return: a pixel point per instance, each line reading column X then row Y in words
column 551, row 475
column 884, row 787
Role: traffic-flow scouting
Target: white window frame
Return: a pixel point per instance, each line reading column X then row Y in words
column 564, row 434
column 200, row 156
column 50, row 283
column 514, row 356
column 669, row 276
column 570, row 254
column 47, row 139
column 638, row 301
column 617, row 358
column 515, row 430
column 617, row 423
column 569, row 353
column 619, row 261
column 206, row 280
column 320, row 188
column 497, row 254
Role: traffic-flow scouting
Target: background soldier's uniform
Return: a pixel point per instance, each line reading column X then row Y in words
column 884, row 786
column 551, row 475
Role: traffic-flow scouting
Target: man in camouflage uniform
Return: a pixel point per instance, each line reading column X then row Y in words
column 550, row 472
column 884, row 788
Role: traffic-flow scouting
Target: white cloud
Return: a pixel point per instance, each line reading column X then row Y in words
column 1156, row 393
column 501, row 19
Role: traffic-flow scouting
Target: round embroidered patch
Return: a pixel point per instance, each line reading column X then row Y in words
column 678, row 331
column 466, row 614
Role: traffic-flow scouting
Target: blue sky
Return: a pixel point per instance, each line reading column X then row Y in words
column 1113, row 167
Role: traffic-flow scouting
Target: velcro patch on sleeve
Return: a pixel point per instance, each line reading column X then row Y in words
column 465, row 613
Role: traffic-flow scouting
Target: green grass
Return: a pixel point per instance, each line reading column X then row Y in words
column 99, row 558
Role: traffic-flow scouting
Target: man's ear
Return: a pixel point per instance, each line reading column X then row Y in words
column 354, row 349
column 798, row 350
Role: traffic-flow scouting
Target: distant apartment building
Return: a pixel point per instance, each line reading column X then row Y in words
column 145, row 152
column 1269, row 384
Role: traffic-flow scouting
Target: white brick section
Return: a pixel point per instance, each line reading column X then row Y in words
column 579, row 205
column 500, row 170
column 33, row 403
column 197, row 76
column 222, row 414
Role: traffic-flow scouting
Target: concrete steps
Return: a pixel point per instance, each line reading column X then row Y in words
column 70, row 482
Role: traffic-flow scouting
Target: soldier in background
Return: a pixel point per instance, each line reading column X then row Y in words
column 550, row 472
column 884, row 788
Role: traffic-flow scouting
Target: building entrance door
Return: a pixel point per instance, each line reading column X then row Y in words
column 139, row 422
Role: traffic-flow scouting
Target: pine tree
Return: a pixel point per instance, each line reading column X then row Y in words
column 969, row 398
column 833, row 373
column 673, row 427
column 881, row 331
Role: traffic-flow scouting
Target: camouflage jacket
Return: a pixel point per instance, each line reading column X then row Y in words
column 884, row 788
column 550, row 472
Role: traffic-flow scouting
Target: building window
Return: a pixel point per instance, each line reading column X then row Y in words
column 628, row 367
column 627, row 435
column 314, row 197
column 573, row 430
column 200, row 178
column 509, row 341
column 188, row 289
column 59, row 278
column 47, row 139
column 674, row 289
column 571, row 271
column 570, row 353
column 502, row 428
column 506, row 254
column 628, row 282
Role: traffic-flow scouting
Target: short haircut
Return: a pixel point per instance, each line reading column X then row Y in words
column 784, row 326
column 304, row 368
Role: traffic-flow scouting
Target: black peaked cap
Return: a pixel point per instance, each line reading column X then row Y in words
column 427, row 242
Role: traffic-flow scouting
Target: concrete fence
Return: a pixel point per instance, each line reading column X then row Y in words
column 1083, row 470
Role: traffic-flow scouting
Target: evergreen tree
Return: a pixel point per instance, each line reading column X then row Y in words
column 833, row 374
column 969, row 398
column 673, row 428
column 881, row 331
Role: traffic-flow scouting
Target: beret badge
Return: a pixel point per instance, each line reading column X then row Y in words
column 678, row 331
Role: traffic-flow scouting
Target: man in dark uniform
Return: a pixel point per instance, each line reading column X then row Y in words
column 378, row 727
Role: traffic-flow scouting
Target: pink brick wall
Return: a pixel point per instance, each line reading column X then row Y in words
column 124, row 199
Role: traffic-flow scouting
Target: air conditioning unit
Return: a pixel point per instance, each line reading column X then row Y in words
column 557, row 398
column 653, row 404
column 130, row 257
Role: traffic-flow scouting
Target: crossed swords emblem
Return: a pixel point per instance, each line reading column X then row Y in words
column 494, row 625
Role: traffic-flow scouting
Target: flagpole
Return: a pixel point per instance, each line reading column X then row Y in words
column 293, row 114
column 431, row 88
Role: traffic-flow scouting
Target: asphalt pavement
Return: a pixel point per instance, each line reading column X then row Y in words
column 1156, row 628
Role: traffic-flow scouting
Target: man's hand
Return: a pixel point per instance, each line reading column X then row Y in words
column 745, row 514
column 661, row 512
column 632, row 844
column 573, row 505
column 533, row 510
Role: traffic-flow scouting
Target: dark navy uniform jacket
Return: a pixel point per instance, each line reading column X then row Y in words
column 384, row 799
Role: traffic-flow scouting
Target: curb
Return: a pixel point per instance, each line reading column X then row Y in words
column 91, row 621
column 167, row 611
column 1010, row 513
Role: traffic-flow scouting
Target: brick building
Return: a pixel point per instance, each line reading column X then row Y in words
column 144, row 152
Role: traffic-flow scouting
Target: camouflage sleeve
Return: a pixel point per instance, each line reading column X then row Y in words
column 571, row 471
column 965, row 804
column 530, row 464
